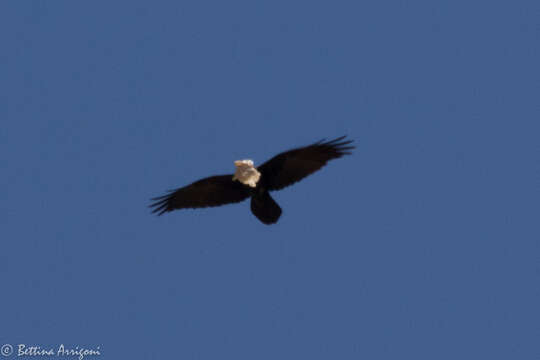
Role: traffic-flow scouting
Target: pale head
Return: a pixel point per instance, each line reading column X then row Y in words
column 246, row 172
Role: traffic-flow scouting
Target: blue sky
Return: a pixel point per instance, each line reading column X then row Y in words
column 422, row 245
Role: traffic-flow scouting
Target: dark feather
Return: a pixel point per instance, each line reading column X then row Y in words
column 265, row 208
column 291, row 166
column 211, row 191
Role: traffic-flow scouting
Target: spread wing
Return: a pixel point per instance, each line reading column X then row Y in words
column 291, row 166
column 211, row 191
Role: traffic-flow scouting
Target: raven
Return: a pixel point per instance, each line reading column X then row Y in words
column 277, row 173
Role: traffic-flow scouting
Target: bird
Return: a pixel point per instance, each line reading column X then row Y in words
column 248, row 181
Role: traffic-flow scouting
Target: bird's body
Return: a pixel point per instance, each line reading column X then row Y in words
column 277, row 173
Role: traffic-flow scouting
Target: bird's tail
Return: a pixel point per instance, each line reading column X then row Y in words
column 265, row 208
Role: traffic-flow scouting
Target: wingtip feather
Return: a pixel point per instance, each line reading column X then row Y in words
column 159, row 205
column 341, row 147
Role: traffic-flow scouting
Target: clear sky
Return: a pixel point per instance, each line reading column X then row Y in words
column 422, row 245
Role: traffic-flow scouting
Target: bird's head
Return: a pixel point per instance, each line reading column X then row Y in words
column 246, row 172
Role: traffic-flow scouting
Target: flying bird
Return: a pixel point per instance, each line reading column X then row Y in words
column 253, row 182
